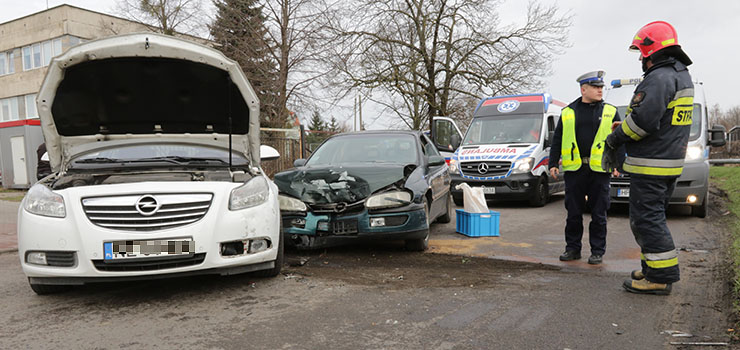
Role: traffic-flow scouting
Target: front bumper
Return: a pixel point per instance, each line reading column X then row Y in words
column 316, row 230
column 76, row 237
column 513, row 187
column 694, row 181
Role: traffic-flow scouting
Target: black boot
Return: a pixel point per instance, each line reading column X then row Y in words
column 570, row 255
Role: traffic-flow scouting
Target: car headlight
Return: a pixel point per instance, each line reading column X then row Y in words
column 40, row 200
column 452, row 166
column 694, row 152
column 291, row 204
column 252, row 193
column 523, row 165
column 388, row 200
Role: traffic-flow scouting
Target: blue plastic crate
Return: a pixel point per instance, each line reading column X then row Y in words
column 477, row 224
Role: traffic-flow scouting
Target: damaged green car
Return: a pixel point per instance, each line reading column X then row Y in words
column 388, row 185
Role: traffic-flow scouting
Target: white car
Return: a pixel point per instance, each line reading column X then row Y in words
column 139, row 130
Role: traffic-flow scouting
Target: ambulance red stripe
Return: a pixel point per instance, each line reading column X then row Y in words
column 493, row 101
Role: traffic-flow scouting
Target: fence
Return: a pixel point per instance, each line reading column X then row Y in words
column 287, row 142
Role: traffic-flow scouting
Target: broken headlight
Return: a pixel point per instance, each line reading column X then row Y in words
column 252, row 193
column 291, row 204
column 40, row 200
column 388, row 200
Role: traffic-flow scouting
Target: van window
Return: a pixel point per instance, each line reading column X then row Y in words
column 517, row 128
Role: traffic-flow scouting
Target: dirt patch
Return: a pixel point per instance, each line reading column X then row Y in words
column 400, row 270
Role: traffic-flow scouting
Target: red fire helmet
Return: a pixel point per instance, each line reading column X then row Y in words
column 654, row 37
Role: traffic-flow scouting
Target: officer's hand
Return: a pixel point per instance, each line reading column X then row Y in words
column 609, row 158
column 615, row 173
column 554, row 172
column 615, row 125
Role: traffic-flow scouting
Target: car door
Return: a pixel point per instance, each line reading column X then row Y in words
column 437, row 177
column 447, row 137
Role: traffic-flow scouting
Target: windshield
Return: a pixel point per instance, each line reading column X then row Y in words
column 695, row 122
column 517, row 128
column 156, row 154
column 365, row 148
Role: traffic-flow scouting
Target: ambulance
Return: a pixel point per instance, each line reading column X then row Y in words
column 693, row 184
column 506, row 149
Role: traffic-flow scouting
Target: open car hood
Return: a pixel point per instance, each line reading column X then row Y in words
column 335, row 184
column 140, row 86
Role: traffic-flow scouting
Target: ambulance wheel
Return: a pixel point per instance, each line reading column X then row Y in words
column 458, row 199
column 541, row 193
column 701, row 210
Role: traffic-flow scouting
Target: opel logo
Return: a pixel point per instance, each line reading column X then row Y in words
column 482, row 168
column 147, row 205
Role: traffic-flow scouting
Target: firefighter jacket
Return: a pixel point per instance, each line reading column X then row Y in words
column 580, row 135
column 656, row 129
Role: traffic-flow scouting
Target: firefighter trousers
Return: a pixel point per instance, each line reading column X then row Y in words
column 579, row 184
column 649, row 196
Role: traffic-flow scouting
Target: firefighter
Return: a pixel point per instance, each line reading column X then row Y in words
column 579, row 140
column 656, row 133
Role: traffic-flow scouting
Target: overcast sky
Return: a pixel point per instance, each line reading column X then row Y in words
column 708, row 31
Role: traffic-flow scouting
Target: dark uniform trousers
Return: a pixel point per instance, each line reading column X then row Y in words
column 579, row 184
column 649, row 196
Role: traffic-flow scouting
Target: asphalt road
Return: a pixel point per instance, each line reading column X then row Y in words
column 466, row 293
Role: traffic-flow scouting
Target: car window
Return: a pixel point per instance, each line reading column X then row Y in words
column 373, row 147
column 427, row 147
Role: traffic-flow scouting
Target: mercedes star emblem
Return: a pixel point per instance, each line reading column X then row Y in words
column 482, row 168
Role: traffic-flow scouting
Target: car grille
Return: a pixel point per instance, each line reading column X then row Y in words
column 146, row 264
column 344, row 227
column 146, row 212
column 494, row 168
column 60, row 259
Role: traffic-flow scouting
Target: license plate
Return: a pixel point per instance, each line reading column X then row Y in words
column 344, row 227
column 623, row 192
column 148, row 248
column 488, row 190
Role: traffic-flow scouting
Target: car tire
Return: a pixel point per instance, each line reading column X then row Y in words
column 449, row 211
column 278, row 261
column 700, row 210
column 458, row 199
column 541, row 193
column 420, row 244
column 46, row 289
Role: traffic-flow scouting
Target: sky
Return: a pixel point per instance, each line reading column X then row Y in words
column 708, row 31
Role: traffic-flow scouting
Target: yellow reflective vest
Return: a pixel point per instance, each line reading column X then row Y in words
column 569, row 147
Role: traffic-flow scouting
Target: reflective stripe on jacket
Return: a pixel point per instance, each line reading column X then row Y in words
column 569, row 147
column 659, row 116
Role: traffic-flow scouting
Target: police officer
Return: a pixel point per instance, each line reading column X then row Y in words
column 656, row 133
column 579, row 140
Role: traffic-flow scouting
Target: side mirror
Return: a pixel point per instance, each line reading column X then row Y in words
column 299, row 162
column 435, row 160
column 455, row 141
column 268, row 153
column 548, row 139
column 717, row 136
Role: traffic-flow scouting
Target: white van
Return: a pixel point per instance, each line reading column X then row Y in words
column 693, row 184
column 506, row 149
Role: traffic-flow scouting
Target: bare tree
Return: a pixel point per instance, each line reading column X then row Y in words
column 427, row 55
column 169, row 16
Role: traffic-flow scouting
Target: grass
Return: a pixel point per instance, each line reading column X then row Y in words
column 728, row 179
column 13, row 198
column 10, row 190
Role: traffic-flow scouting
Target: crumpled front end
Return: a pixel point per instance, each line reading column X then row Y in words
column 337, row 206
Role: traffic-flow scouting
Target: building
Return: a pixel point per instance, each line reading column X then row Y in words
column 27, row 45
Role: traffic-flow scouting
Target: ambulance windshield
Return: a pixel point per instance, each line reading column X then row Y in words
column 517, row 128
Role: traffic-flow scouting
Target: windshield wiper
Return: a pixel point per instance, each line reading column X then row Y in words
column 180, row 160
column 99, row 160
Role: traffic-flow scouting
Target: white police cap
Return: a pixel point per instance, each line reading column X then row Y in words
column 595, row 78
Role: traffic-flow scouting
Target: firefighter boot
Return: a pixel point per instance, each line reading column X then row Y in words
column 644, row 286
column 637, row 275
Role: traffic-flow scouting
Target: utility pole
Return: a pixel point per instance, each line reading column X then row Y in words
column 354, row 115
column 359, row 111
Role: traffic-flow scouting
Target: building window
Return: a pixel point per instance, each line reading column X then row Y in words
column 40, row 54
column 31, row 106
column 4, row 63
column 9, row 109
